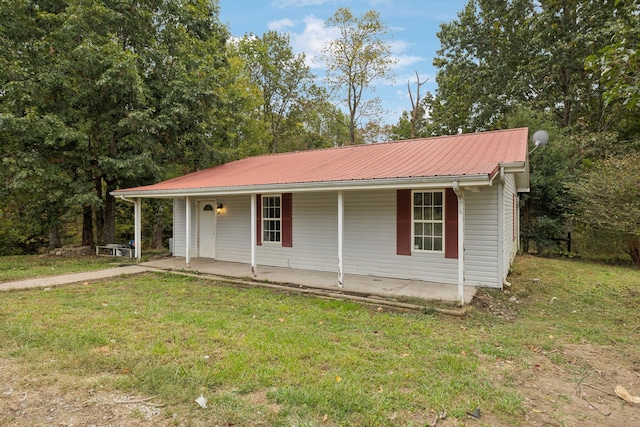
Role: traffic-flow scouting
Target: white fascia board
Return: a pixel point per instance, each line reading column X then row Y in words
column 373, row 184
column 521, row 171
column 515, row 167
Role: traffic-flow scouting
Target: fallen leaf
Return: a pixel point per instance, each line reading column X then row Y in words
column 404, row 355
column 325, row 418
column 281, row 319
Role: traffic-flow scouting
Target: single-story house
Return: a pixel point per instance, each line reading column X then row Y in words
column 443, row 209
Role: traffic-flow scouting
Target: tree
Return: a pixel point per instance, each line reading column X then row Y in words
column 284, row 79
column 499, row 54
column 502, row 59
column 618, row 63
column 355, row 59
column 608, row 198
column 117, row 90
column 415, row 124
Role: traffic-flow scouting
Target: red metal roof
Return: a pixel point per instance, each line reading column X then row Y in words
column 445, row 156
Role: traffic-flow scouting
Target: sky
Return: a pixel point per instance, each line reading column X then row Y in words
column 413, row 26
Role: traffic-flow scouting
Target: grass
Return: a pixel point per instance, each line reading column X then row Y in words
column 29, row 267
column 267, row 358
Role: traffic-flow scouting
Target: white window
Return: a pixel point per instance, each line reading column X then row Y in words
column 428, row 220
column 271, row 219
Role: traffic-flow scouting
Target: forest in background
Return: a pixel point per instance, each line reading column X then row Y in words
column 100, row 95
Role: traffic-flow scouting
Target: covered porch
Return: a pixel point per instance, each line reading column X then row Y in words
column 362, row 285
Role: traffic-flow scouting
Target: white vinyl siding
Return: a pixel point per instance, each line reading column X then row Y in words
column 233, row 236
column 511, row 218
column 370, row 242
column 315, row 235
column 481, row 237
column 179, row 228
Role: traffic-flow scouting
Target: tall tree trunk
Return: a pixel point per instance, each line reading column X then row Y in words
column 87, row 226
column 99, row 212
column 158, row 226
column 109, row 226
column 54, row 237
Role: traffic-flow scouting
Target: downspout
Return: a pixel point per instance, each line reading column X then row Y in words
column 460, row 193
column 187, row 227
column 340, row 239
column 137, row 227
column 253, row 233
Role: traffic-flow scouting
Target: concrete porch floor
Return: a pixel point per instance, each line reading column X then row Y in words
column 353, row 283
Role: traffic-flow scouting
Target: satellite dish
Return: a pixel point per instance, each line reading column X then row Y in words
column 540, row 137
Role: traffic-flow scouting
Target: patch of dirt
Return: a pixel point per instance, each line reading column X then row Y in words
column 581, row 390
column 571, row 386
column 485, row 301
column 59, row 400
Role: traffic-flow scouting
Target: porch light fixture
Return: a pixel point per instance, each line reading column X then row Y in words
column 219, row 207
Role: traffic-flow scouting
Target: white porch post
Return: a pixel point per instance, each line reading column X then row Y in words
column 340, row 238
column 460, row 193
column 254, row 236
column 188, row 229
column 137, row 233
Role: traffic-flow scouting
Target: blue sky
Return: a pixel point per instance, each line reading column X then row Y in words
column 413, row 25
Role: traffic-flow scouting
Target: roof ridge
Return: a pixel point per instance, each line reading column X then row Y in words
column 396, row 141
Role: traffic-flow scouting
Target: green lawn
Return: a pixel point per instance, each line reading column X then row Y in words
column 29, row 267
column 267, row 358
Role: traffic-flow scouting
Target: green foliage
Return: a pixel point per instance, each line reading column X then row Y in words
column 102, row 95
column 497, row 55
column 608, row 198
column 618, row 63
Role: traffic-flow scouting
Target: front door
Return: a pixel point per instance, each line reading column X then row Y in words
column 207, row 229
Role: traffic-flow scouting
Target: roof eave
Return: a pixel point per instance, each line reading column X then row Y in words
column 371, row 184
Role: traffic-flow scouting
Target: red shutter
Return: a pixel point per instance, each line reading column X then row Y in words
column 258, row 219
column 450, row 224
column 403, row 222
column 287, row 223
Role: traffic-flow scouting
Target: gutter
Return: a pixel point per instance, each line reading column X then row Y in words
column 123, row 197
column 377, row 184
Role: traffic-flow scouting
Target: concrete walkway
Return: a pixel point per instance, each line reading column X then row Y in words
column 87, row 276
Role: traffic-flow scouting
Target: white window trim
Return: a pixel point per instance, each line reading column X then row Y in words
column 262, row 219
column 413, row 227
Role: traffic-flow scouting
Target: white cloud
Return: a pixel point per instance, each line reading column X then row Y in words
column 408, row 60
column 280, row 25
column 311, row 40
